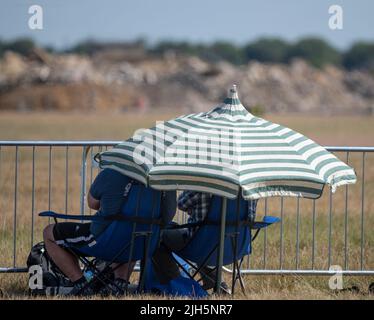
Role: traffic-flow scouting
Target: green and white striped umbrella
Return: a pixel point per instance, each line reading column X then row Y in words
column 226, row 150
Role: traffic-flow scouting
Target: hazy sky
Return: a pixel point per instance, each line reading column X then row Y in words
column 240, row 21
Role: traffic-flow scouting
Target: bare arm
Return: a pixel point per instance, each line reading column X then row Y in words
column 92, row 202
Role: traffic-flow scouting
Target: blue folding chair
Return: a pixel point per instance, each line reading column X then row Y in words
column 202, row 248
column 132, row 235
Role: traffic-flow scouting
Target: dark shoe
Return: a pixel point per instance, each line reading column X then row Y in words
column 225, row 290
column 371, row 288
column 208, row 275
column 81, row 289
column 353, row 289
column 119, row 287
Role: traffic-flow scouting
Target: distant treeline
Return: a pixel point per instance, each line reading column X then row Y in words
column 271, row 50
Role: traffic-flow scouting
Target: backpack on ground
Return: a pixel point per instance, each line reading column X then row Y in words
column 45, row 278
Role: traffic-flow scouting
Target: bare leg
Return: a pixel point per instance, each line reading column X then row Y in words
column 66, row 261
column 124, row 271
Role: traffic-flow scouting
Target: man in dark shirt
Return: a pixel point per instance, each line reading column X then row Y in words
column 106, row 196
column 197, row 206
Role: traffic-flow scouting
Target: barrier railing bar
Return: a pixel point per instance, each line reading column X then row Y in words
column 281, row 238
column 304, row 272
column 49, row 180
column 330, row 228
column 32, row 196
column 248, row 261
column 85, row 150
column 66, row 178
column 49, row 177
column 15, row 207
column 91, row 143
column 313, row 233
column 346, row 222
column 64, row 143
column 100, row 150
column 91, row 167
column 297, row 233
column 265, row 236
column 362, row 211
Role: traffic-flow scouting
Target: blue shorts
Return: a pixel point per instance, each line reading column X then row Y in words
column 68, row 234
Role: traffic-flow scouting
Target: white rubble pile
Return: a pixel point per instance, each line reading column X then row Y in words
column 191, row 84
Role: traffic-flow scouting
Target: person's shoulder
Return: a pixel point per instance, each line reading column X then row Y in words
column 186, row 194
column 111, row 174
column 192, row 192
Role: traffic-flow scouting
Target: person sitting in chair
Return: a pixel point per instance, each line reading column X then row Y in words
column 197, row 205
column 106, row 196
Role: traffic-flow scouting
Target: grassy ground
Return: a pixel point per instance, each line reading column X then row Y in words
column 59, row 193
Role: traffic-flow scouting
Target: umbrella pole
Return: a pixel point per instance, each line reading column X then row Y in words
column 221, row 246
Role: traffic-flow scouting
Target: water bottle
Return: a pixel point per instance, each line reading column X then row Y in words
column 88, row 274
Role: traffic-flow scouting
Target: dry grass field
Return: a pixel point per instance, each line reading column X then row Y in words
column 53, row 181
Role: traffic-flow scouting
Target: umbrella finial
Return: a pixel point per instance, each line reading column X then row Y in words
column 233, row 94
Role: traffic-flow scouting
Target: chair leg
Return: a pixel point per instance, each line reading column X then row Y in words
column 197, row 270
column 202, row 265
column 233, row 240
column 239, row 276
column 133, row 238
column 144, row 268
column 183, row 268
column 99, row 276
column 109, row 267
column 208, row 275
column 236, row 274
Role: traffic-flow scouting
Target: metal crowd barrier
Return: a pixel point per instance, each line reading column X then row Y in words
column 83, row 151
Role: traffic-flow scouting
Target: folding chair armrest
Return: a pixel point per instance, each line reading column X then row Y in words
column 52, row 214
column 182, row 226
column 266, row 221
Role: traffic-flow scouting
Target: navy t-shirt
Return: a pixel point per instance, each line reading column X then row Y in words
column 108, row 187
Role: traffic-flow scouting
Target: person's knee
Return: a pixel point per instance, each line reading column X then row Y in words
column 48, row 232
column 175, row 239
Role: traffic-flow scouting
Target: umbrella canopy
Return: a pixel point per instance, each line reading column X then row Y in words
column 226, row 150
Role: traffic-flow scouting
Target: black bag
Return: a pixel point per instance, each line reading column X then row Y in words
column 45, row 278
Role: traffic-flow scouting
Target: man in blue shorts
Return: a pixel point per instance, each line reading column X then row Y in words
column 105, row 196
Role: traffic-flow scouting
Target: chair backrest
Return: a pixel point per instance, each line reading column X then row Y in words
column 168, row 206
column 142, row 202
column 203, row 246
